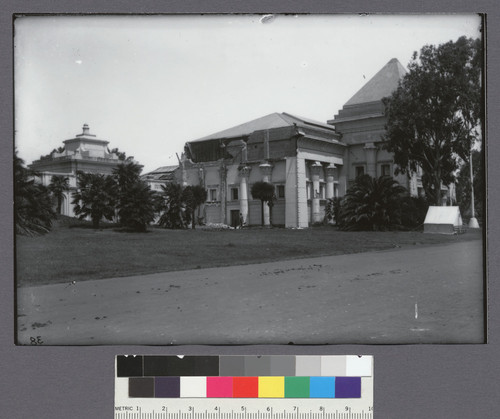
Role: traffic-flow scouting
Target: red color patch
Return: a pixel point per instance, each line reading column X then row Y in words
column 246, row 387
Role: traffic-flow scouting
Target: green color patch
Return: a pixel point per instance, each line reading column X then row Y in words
column 297, row 387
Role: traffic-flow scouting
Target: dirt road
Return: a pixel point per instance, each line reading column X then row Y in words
column 412, row 295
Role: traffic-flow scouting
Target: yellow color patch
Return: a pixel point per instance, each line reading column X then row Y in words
column 272, row 387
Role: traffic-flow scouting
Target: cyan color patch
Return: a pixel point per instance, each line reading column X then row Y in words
column 322, row 387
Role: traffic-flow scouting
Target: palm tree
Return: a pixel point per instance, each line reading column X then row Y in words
column 127, row 173
column 372, row 204
column 265, row 192
column 137, row 210
column 135, row 199
column 95, row 197
column 33, row 211
column 58, row 185
column 194, row 197
column 174, row 207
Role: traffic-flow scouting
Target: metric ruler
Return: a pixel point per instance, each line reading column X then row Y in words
column 244, row 387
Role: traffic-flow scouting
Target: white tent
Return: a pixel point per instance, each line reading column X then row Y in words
column 443, row 220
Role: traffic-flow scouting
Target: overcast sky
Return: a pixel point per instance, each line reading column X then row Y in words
column 148, row 84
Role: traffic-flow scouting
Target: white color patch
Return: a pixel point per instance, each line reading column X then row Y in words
column 193, row 387
column 359, row 366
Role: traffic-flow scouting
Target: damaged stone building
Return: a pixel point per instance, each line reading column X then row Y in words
column 307, row 161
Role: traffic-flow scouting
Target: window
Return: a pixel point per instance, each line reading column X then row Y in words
column 212, row 195
column 385, row 170
column 280, row 191
column 234, row 194
column 360, row 171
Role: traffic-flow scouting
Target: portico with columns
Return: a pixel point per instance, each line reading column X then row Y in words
column 289, row 152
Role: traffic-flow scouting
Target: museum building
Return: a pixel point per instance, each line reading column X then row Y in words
column 307, row 161
column 85, row 152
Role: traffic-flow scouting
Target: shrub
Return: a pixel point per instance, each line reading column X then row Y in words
column 372, row 204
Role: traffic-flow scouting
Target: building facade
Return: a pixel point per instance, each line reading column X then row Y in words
column 85, row 152
column 300, row 157
column 307, row 161
column 361, row 125
column 161, row 176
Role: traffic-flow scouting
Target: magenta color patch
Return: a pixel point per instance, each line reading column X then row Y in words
column 219, row 386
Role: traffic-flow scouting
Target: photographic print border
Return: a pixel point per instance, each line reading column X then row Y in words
column 410, row 380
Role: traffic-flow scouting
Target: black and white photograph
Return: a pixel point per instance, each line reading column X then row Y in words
column 250, row 179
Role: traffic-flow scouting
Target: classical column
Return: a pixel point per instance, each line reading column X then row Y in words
column 223, row 189
column 316, row 169
column 201, row 176
column 371, row 159
column 244, row 174
column 330, row 173
column 244, row 152
column 266, row 170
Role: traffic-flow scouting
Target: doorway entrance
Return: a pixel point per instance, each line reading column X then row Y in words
column 235, row 218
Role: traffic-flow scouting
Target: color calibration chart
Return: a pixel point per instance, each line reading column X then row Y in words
column 244, row 387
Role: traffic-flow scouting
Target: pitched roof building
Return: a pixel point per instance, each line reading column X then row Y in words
column 307, row 161
column 361, row 124
column 299, row 156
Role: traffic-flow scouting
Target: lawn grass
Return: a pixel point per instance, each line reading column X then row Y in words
column 77, row 253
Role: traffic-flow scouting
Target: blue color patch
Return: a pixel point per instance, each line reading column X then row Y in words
column 322, row 387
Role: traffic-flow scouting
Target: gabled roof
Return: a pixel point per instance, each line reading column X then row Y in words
column 380, row 85
column 164, row 169
column 162, row 173
column 273, row 120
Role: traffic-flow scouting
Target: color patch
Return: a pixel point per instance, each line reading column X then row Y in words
column 271, row 387
column 358, row 366
column 282, row 366
column 347, row 387
column 206, row 366
column 333, row 366
column 141, row 387
column 177, row 366
column 257, row 366
column 231, row 366
column 297, row 387
column 193, row 387
column 156, row 366
column 245, row 387
column 322, row 387
column 308, row 366
column 129, row 366
column 219, row 386
column 168, row 387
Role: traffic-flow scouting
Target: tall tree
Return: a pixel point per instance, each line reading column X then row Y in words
column 464, row 186
column 58, row 186
column 33, row 211
column 265, row 192
column 194, row 197
column 135, row 200
column 95, row 197
column 434, row 114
